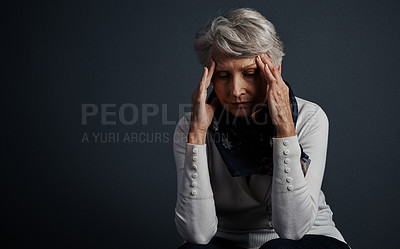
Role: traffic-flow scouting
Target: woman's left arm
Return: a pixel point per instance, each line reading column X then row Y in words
column 294, row 196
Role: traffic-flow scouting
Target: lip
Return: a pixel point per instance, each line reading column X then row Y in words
column 241, row 104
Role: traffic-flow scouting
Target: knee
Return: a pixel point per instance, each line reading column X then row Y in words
column 278, row 244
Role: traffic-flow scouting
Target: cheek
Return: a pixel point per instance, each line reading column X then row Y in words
column 259, row 88
column 221, row 93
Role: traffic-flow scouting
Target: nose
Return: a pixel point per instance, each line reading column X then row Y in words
column 237, row 86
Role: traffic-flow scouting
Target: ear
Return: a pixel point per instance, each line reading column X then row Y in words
column 280, row 67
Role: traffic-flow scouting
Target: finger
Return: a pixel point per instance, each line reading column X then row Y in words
column 210, row 73
column 203, row 78
column 265, row 70
column 259, row 62
column 261, row 66
column 267, row 60
column 264, row 57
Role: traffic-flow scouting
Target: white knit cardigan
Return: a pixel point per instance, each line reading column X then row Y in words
column 210, row 202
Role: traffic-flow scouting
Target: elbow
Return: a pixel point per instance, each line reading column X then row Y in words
column 195, row 233
column 295, row 230
column 296, row 223
column 198, row 238
column 290, row 233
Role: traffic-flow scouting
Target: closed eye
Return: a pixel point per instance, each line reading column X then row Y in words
column 250, row 72
column 222, row 75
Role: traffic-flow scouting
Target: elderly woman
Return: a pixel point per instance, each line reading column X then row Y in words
column 251, row 159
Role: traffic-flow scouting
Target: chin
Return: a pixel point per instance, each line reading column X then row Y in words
column 240, row 113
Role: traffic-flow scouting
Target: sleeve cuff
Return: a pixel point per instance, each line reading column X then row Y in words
column 196, row 180
column 287, row 169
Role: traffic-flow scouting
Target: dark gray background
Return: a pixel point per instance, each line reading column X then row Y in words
column 57, row 192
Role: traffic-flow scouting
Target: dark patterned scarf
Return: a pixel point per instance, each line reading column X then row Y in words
column 245, row 144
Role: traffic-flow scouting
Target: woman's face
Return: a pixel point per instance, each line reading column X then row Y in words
column 239, row 85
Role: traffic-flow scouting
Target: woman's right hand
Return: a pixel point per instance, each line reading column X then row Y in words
column 202, row 113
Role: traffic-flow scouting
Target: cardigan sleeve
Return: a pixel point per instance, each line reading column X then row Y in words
column 295, row 196
column 195, row 214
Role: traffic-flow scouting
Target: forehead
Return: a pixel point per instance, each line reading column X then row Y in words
column 224, row 62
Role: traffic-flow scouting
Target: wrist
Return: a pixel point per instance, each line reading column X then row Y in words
column 197, row 137
column 285, row 130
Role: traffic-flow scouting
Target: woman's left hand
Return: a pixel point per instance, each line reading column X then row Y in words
column 277, row 96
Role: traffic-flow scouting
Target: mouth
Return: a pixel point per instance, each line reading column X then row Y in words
column 243, row 104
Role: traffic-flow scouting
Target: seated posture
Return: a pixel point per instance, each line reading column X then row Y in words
column 250, row 159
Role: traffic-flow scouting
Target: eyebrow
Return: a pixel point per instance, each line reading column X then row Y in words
column 249, row 66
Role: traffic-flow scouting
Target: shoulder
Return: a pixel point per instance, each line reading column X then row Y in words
column 311, row 115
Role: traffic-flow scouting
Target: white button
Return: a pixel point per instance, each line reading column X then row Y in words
column 290, row 187
column 286, row 161
column 285, row 142
column 285, row 152
column 195, row 158
column 195, row 150
column 287, row 170
column 195, row 166
column 194, row 175
column 194, row 192
column 270, row 223
column 194, row 184
column 289, row 179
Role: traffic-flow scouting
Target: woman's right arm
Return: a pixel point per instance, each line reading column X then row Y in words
column 195, row 215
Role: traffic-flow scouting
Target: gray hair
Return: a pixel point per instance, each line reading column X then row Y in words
column 239, row 33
